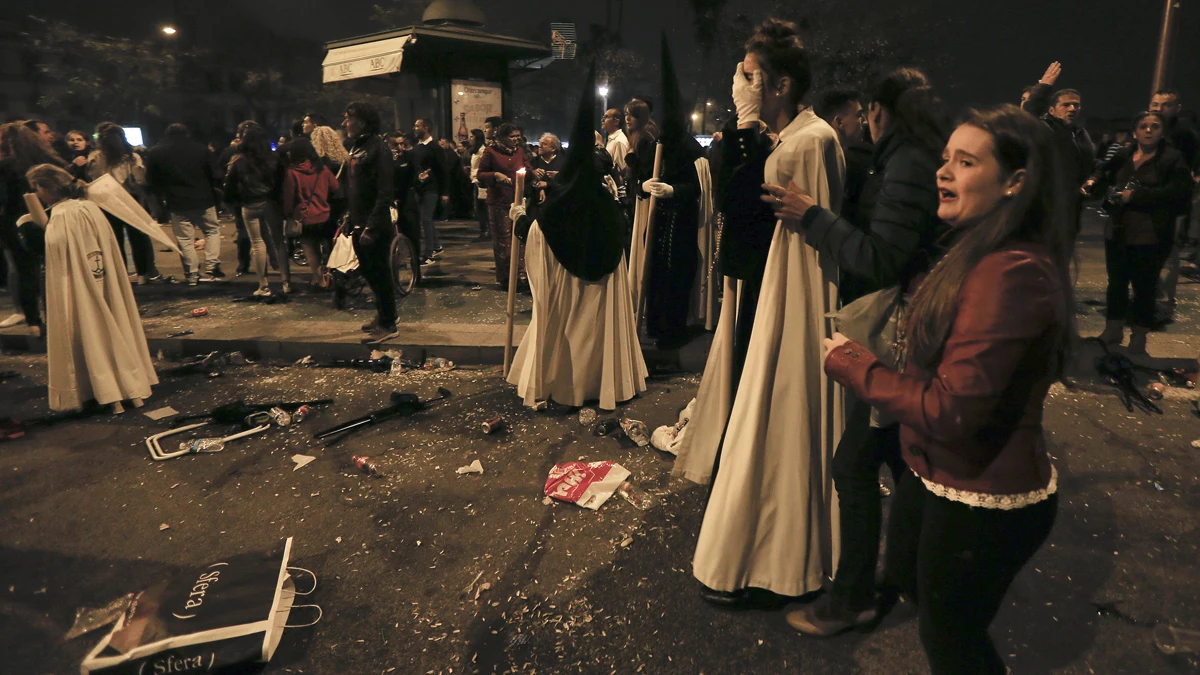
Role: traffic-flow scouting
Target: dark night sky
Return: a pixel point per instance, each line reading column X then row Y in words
column 1107, row 49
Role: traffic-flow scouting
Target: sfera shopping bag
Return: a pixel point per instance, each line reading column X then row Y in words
column 226, row 612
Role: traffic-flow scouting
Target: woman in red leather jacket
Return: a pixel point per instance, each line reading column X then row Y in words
column 987, row 334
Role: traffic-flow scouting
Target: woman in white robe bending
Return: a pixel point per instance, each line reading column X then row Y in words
column 96, row 347
column 582, row 342
column 771, row 520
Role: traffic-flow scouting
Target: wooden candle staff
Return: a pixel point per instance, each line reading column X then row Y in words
column 514, row 261
column 649, row 249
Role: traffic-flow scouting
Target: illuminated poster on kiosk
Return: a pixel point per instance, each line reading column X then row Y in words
column 479, row 100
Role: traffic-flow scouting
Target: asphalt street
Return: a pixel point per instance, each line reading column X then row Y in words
column 401, row 559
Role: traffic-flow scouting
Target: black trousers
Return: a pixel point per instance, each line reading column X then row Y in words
column 1136, row 266
column 669, row 288
column 28, row 248
column 139, row 242
column 957, row 562
column 860, row 454
column 374, row 263
column 481, row 214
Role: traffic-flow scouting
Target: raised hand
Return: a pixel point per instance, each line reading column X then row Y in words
column 1051, row 74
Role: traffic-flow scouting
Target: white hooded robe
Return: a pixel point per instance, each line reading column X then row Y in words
column 771, row 521
column 96, row 347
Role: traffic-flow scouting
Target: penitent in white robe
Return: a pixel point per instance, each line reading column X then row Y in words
column 96, row 347
column 771, row 521
column 582, row 343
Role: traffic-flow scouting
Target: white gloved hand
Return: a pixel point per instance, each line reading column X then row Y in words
column 659, row 189
column 516, row 211
column 747, row 96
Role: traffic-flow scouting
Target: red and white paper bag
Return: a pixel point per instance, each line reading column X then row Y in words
column 588, row 484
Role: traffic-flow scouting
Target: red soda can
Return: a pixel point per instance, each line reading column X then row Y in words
column 200, row 311
column 301, row 413
column 366, row 465
column 493, row 425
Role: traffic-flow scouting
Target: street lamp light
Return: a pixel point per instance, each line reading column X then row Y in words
column 603, row 91
column 169, row 30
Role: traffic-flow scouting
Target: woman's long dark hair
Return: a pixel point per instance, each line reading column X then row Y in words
column 110, row 139
column 25, row 147
column 477, row 140
column 777, row 45
column 1035, row 214
column 907, row 94
column 255, row 149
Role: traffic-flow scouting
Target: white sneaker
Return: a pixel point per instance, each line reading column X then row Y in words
column 13, row 320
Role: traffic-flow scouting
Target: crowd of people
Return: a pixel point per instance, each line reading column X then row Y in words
column 896, row 289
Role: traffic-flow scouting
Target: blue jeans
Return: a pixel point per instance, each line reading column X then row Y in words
column 427, row 202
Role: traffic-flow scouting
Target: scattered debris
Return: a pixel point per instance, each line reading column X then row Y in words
column 636, row 431
column 367, row 465
column 199, row 312
column 635, row 495
column 161, row 413
column 88, row 620
column 606, row 426
column 667, row 437
column 473, row 467
column 302, row 461
column 306, row 361
column 587, row 417
column 482, row 587
column 539, row 406
column 626, row 542
column 164, row 526
column 1171, row 640
column 175, row 335
column 588, row 485
column 403, row 405
column 493, row 425
column 438, row 364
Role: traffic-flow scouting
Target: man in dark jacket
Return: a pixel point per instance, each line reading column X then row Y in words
column 180, row 173
column 843, row 110
column 429, row 185
column 369, row 192
column 1183, row 138
column 1060, row 111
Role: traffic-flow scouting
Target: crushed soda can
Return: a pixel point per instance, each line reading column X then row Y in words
column 439, row 364
column 605, row 427
column 587, row 417
column 1155, row 391
column 366, row 465
column 637, row 431
column 200, row 311
column 301, row 414
column 280, row 416
column 493, row 425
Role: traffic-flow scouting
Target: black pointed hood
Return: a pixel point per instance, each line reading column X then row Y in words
column 581, row 222
column 679, row 147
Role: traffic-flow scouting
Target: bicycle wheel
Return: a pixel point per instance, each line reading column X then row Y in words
column 404, row 265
